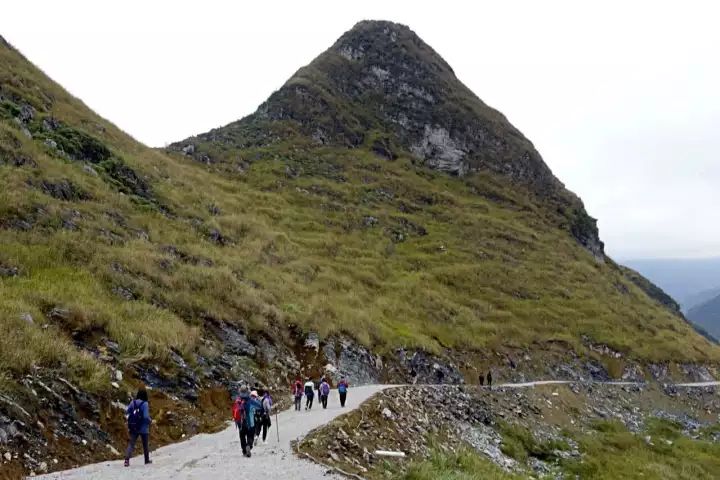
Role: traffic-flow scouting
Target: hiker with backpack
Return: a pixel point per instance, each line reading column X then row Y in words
column 342, row 390
column 309, row 393
column 267, row 415
column 243, row 412
column 258, row 416
column 138, row 421
column 324, row 392
column 297, row 391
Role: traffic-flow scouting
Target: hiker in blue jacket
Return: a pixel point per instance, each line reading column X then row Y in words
column 244, row 416
column 138, row 418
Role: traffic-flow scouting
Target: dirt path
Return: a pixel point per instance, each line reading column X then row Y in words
column 218, row 456
column 566, row 382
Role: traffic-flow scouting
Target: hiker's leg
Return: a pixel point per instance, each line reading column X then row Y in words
column 243, row 438
column 249, row 437
column 343, row 397
column 146, row 446
column 264, row 430
column 131, row 445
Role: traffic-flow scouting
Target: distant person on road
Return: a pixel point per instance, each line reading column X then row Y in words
column 267, row 404
column 244, row 417
column 297, row 391
column 489, row 378
column 481, row 379
column 324, row 392
column 342, row 390
column 138, row 420
column 309, row 393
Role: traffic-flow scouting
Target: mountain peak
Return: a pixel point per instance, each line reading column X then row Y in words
column 381, row 87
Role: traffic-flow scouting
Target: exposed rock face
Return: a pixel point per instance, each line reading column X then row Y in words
column 347, row 359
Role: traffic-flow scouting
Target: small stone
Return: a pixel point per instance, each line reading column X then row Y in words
column 27, row 318
column 84, row 442
column 7, row 456
column 113, row 450
column 115, row 385
column 387, row 414
column 43, row 466
column 118, row 375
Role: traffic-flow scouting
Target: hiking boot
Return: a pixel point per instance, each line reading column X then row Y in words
column 127, row 463
column 148, row 462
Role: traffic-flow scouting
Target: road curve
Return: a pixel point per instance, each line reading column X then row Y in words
column 218, row 457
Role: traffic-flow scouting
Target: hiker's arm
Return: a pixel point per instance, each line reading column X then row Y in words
column 146, row 412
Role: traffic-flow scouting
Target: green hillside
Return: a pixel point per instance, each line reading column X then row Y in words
column 103, row 238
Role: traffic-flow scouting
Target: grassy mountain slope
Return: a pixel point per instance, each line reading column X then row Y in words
column 192, row 268
column 104, row 238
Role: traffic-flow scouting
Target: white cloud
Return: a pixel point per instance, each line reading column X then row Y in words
column 619, row 97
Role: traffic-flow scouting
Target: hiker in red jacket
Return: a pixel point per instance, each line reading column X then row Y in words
column 297, row 391
column 342, row 390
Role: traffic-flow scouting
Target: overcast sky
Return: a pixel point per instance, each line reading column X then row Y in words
column 621, row 98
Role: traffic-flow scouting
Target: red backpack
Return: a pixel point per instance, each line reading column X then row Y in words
column 238, row 410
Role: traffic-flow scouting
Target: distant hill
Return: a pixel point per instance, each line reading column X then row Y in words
column 698, row 299
column 707, row 316
column 689, row 281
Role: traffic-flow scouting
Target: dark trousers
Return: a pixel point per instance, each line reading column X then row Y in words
column 298, row 403
column 258, row 425
column 247, row 436
column 308, row 401
column 131, row 445
column 265, row 425
column 323, row 400
column 343, row 397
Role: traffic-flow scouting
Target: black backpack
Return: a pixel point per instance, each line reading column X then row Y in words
column 135, row 416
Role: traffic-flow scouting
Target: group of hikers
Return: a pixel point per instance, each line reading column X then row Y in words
column 251, row 411
column 323, row 390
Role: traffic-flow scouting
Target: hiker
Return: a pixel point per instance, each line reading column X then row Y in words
column 297, row 391
column 309, row 393
column 244, row 416
column 489, row 378
column 254, row 394
column 324, row 392
column 138, row 420
column 267, row 415
column 481, row 379
column 342, row 390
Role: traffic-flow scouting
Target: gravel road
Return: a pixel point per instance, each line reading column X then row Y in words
column 218, row 456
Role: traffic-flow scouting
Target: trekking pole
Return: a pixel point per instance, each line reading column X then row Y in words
column 277, row 427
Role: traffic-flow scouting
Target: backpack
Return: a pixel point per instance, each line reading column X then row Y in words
column 325, row 388
column 342, row 387
column 136, row 419
column 239, row 410
column 298, row 389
